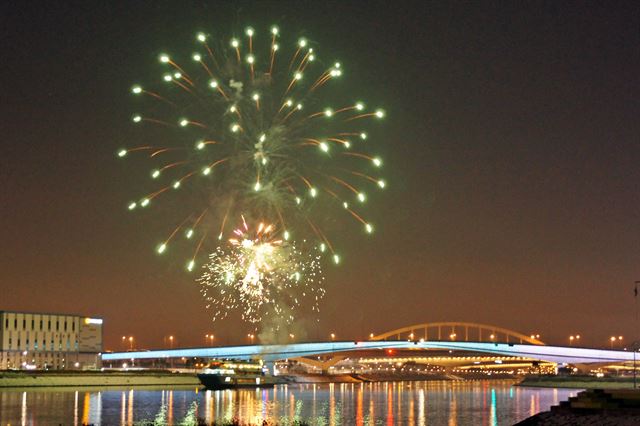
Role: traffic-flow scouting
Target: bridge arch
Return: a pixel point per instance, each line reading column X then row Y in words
column 458, row 331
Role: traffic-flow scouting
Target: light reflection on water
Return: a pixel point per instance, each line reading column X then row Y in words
column 385, row 403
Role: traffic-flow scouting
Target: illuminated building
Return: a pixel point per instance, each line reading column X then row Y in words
column 39, row 341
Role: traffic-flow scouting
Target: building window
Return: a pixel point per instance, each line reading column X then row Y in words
column 6, row 323
column 40, row 324
column 49, row 325
column 57, row 325
column 65, row 325
column 73, row 326
column 33, row 324
column 18, row 343
column 15, row 323
column 24, row 323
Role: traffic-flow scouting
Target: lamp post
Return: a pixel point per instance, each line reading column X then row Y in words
column 131, row 343
column 208, row 339
column 634, row 347
column 612, row 339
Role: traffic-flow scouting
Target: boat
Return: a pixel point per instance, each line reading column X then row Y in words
column 236, row 374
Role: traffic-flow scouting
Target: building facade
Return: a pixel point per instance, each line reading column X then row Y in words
column 43, row 341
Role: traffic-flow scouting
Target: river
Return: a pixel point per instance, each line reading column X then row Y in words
column 382, row 403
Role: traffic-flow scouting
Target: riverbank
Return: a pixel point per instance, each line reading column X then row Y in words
column 595, row 407
column 578, row 382
column 89, row 378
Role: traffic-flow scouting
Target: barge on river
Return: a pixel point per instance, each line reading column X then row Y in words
column 236, row 374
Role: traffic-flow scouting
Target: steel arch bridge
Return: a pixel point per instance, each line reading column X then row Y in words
column 474, row 332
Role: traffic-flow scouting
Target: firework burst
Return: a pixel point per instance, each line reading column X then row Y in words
column 244, row 130
column 249, row 126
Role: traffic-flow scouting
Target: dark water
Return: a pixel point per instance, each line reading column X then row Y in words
column 388, row 403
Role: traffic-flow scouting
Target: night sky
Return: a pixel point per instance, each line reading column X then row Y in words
column 510, row 146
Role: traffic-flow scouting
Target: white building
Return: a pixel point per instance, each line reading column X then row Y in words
column 32, row 340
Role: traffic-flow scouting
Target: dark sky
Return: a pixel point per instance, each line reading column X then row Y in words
column 511, row 149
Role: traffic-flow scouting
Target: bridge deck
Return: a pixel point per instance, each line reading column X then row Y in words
column 558, row 354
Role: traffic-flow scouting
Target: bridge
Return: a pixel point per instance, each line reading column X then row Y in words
column 477, row 338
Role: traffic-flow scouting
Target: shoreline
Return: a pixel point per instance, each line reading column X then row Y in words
column 95, row 379
column 578, row 382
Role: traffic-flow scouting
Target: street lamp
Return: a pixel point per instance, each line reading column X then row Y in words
column 333, row 336
column 492, row 337
column 370, row 335
column 208, row 339
column 571, row 340
column 130, row 342
column 612, row 339
column 171, row 342
column 291, row 336
column 452, row 336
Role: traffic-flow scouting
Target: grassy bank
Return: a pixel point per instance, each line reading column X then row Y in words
column 578, row 382
column 89, row 378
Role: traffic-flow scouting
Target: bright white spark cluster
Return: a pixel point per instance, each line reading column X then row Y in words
column 259, row 275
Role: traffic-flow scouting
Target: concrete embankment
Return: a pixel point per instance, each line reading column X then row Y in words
column 51, row 379
column 360, row 378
